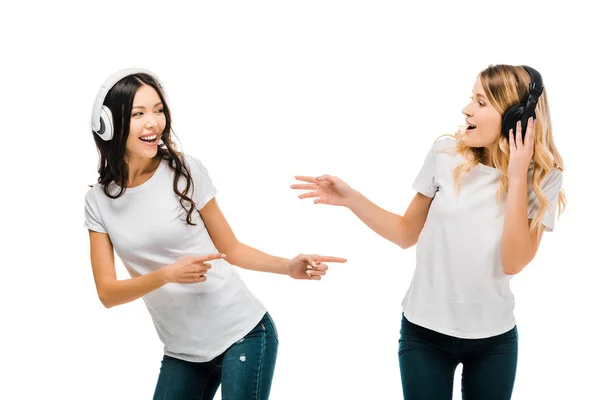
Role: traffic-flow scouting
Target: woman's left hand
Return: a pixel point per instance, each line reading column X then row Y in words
column 310, row 266
column 521, row 151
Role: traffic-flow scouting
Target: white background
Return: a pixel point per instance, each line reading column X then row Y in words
column 261, row 91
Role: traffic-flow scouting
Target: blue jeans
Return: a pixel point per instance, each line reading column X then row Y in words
column 245, row 370
column 428, row 360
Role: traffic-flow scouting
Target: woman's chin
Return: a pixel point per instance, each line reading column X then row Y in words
column 143, row 154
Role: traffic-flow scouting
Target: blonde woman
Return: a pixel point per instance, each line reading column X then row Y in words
column 485, row 196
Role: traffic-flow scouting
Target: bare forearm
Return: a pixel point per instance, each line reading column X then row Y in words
column 250, row 258
column 123, row 291
column 517, row 248
column 388, row 225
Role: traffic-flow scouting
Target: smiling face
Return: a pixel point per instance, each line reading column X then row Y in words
column 146, row 125
column 483, row 121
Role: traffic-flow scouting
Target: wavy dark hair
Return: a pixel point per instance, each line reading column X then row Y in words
column 113, row 167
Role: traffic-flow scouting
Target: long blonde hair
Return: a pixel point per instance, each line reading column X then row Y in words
column 505, row 86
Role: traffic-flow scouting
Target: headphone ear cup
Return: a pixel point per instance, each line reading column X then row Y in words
column 510, row 119
column 106, row 124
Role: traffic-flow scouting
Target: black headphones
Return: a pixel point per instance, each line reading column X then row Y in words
column 522, row 111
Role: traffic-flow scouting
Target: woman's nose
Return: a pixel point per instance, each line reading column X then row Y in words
column 151, row 123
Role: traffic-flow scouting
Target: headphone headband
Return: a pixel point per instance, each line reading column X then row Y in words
column 105, row 88
column 536, row 87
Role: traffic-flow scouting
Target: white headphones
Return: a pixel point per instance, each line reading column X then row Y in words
column 102, row 121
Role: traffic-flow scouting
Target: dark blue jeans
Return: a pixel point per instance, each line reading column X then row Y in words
column 245, row 370
column 428, row 360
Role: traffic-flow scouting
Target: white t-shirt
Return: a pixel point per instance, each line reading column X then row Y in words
column 459, row 287
column 195, row 322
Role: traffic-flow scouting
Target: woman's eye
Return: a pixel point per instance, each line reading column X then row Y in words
column 481, row 103
column 160, row 111
column 137, row 114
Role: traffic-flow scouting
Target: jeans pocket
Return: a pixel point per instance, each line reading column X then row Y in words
column 273, row 327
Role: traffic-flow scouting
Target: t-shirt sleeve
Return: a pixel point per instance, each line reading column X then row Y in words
column 204, row 190
column 551, row 188
column 425, row 181
column 93, row 220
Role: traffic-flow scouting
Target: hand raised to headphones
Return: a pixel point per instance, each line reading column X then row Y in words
column 521, row 151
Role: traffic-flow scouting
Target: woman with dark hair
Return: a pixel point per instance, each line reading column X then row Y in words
column 156, row 208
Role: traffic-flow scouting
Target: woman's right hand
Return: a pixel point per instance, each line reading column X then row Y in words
column 327, row 190
column 189, row 269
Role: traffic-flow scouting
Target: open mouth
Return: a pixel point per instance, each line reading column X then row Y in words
column 471, row 128
column 150, row 139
